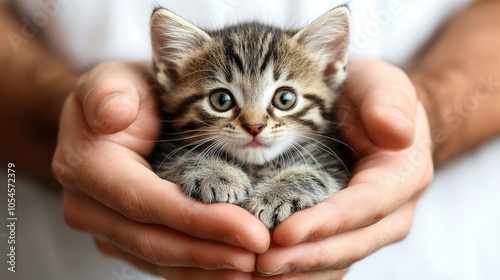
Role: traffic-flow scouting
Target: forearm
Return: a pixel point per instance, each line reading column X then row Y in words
column 458, row 80
column 33, row 85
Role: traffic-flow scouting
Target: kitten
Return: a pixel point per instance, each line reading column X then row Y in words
column 248, row 112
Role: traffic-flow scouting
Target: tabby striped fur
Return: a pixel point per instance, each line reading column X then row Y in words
column 247, row 111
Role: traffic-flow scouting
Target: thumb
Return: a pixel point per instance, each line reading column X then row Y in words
column 109, row 94
column 386, row 100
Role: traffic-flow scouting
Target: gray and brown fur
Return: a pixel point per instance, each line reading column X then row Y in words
column 270, row 160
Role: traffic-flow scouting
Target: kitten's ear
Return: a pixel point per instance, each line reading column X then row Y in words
column 173, row 38
column 328, row 36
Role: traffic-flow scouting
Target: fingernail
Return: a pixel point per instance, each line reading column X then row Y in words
column 226, row 266
column 115, row 98
column 113, row 107
column 234, row 267
column 400, row 115
column 285, row 269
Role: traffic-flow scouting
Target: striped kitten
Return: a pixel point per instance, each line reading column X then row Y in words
column 248, row 112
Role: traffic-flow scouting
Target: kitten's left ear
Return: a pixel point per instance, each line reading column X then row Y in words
column 173, row 39
column 328, row 36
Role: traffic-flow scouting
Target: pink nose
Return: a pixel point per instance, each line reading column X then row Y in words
column 254, row 129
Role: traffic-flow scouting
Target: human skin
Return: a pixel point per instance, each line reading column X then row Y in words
column 33, row 86
column 137, row 220
column 184, row 230
column 458, row 80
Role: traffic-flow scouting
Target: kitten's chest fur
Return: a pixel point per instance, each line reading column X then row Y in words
column 310, row 155
column 257, row 172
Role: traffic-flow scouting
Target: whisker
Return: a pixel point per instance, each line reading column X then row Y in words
column 187, row 137
column 205, row 123
column 332, row 139
column 194, row 72
column 217, row 67
column 202, row 78
column 323, row 147
column 208, row 151
column 175, row 151
column 196, row 147
column 312, row 157
column 187, row 131
column 304, row 160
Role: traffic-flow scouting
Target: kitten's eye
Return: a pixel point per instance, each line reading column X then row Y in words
column 221, row 100
column 284, row 99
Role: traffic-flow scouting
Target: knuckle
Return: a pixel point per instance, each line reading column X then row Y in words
column 129, row 205
column 348, row 261
column 103, row 248
column 403, row 233
column 71, row 215
column 143, row 247
column 427, row 178
column 114, row 238
column 192, row 259
column 60, row 171
column 405, row 224
column 383, row 211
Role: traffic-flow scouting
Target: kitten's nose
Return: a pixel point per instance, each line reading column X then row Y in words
column 254, row 129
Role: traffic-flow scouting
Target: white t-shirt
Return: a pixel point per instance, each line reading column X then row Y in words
column 93, row 31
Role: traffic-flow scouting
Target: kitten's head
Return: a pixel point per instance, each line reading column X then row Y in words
column 250, row 90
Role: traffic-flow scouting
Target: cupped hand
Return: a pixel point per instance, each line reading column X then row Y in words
column 109, row 125
column 386, row 125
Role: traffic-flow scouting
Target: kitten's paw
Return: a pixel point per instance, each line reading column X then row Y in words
column 217, row 183
column 274, row 205
column 290, row 191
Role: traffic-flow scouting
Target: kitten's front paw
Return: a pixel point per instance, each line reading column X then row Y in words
column 213, row 184
column 290, row 191
column 274, row 205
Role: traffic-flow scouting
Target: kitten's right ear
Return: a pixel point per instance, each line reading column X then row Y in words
column 173, row 38
column 328, row 36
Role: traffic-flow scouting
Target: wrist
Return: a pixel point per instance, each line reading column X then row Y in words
column 460, row 110
column 458, row 81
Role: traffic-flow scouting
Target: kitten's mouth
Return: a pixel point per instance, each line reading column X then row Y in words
column 255, row 143
column 258, row 150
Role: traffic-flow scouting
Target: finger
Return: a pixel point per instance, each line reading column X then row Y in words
column 386, row 101
column 110, row 95
column 142, row 196
column 339, row 251
column 173, row 272
column 139, row 194
column 152, row 243
column 382, row 182
column 145, row 197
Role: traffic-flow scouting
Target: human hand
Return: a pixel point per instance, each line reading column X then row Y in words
column 388, row 128
column 109, row 125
